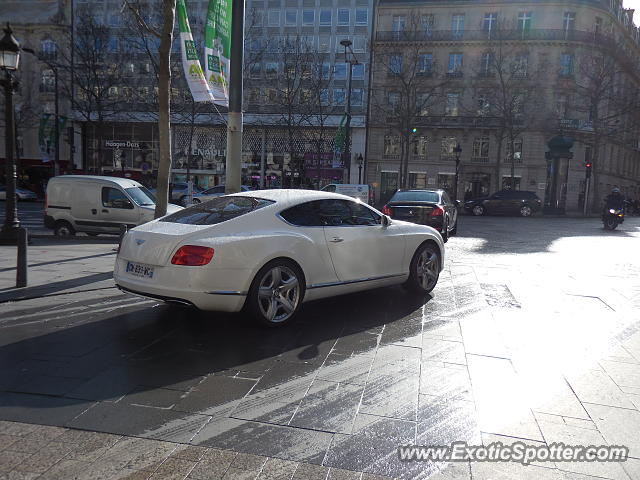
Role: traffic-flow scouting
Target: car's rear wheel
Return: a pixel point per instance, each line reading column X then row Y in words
column 276, row 293
column 525, row 211
column 63, row 228
column 183, row 201
column 196, row 201
column 445, row 232
column 478, row 210
column 424, row 269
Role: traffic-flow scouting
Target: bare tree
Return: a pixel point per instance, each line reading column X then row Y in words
column 163, row 34
column 406, row 88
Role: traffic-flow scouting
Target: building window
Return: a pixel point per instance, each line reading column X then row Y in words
column 455, row 64
column 359, row 43
column 398, row 23
column 521, row 65
column 447, row 145
column 420, row 144
column 339, row 96
column 418, row 180
column 255, row 70
column 324, row 44
column 325, row 17
column 308, row 17
column 48, row 49
column 525, row 21
column 566, row 64
column 425, row 63
column 113, row 92
column 254, row 96
column 597, row 26
column 272, row 96
column 326, row 71
column 395, row 64
column 457, row 25
column 324, row 97
column 569, row 21
column 428, row 22
column 343, row 16
column 356, row 97
column 115, row 20
column 391, row 145
column 273, row 20
column 257, row 18
column 486, row 62
column 271, row 70
column 490, row 22
column 393, row 100
column 47, row 81
column 422, row 104
column 480, row 148
column 362, row 16
column 483, row 104
column 291, row 17
column 357, row 71
column 340, row 71
column 517, row 151
column 452, row 106
column 562, row 102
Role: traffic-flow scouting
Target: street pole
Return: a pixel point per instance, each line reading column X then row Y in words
column 234, row 123
column 9, row 233
column 56, row 164
column 347, row 128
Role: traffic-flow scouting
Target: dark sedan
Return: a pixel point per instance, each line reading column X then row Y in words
column 515, row 202
column 426, row 207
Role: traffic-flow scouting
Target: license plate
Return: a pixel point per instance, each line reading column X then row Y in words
column 139, row 270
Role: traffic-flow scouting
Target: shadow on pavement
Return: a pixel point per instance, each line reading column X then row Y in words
column 14, row 294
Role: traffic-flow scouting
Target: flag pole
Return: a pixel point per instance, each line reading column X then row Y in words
column 234, row 125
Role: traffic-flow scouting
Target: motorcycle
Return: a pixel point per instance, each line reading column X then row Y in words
column 612, row 217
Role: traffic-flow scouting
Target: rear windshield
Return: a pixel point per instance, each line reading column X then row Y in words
column 141, row 195
column 433, row 197
column 217, row 210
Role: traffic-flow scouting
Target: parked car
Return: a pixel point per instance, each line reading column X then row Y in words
column 95, row 204
column 21, row 194
column 518, row 202
column 268, row 251
column 359, row 191
column 426, row 207
column 214, row 192
column 179, row 192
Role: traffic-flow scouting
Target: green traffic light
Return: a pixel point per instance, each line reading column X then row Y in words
column 414, row 130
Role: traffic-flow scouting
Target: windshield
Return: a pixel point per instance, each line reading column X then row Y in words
column 217, row 210
column 141, row 195
column 416, row 196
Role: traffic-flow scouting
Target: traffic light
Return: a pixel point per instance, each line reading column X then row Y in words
column 588, row 166
column 414, row 130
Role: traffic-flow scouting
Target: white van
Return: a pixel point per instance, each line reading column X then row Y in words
column 94, row 205
column 360, row 192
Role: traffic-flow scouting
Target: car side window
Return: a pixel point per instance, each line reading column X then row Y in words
column 115, row 198
column 361, row 215
column 218, row 189
column 303, row 215
column 329, row 188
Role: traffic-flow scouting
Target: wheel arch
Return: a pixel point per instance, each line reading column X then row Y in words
column 420, row 244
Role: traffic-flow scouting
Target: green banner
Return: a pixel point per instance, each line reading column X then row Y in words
column 190, row 63
column 217, row 49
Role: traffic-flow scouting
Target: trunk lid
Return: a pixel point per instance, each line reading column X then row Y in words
column 411, row 211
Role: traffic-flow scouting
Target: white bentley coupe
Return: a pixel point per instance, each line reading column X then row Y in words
column 268, row 251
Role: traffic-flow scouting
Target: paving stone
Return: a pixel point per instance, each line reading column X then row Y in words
column 9, row 460
column 345, row 369
column 276, row 469
column 173, row 468
column 595, row 386
column 39, row 409
column 153, row 397
column 443, row 351
column 16, row 428
column 444, row 379
column 7, row 440
column 45, row 458
column 619, row 426
column 624, row 374
column 239, row 474
column 246, row 461
column 306, row 471
column 189, row 452
column 442, row 421
column 340, row 474
column 213, row 391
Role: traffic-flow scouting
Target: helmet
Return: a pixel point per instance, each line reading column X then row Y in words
column 615, row 190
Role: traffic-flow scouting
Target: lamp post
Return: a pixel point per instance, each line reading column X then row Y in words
column 9, row 58
column 360, row 161
column 346, row 43
column 457, row 150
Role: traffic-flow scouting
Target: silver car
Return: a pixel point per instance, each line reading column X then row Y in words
column 21, row 193
column 214, row 192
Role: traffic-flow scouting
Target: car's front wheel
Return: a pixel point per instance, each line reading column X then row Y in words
column 525, row 211
column 63, row 229
column 276, row 293
column 478, row 210
column 424, row 269
column 196, row 201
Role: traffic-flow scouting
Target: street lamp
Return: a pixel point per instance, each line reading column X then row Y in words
column 457, row 150
column 9, row 59
column 346, row 43
column 360, row 161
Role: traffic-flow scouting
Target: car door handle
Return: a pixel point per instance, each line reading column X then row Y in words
column 336, row 240
column 105, row 211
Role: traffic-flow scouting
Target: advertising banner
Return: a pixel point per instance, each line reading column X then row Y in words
column 217, row 49
column 190, row 62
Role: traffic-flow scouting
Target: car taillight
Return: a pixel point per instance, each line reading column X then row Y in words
column 192, row 255
column 387, row 210
column 437, row 212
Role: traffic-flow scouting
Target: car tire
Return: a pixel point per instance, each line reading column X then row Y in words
column 196, row 201
column 276, row 293
column 424, row 270
column 63, row 228
column 526, row 211
column 445, row 232
column 454, row 230
column 478, row 210
column 183, row 201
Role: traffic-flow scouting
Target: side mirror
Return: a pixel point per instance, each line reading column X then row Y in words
column 386, row 221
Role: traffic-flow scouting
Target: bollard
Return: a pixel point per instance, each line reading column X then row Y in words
column 21, row 270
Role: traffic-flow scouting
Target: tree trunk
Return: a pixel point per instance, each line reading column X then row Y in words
column 498, row 159
column 164, row 120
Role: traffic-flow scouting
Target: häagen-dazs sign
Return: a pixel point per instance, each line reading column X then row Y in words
column 121, row 144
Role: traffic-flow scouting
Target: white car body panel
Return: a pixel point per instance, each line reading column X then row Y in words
column 374, row 256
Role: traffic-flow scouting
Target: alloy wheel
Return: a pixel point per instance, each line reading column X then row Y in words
column 278, row 294
column 427, row 269
column 525, row 211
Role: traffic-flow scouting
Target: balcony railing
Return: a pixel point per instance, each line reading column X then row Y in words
column 459, row 121
column 496, row 35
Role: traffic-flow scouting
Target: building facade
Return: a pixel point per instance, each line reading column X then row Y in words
column 497, row 80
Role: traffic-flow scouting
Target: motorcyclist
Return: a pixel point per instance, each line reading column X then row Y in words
column 615, row 200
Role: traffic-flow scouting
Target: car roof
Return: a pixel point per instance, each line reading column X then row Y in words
column 123, row 182
column 288, row 197
column 418, row 190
